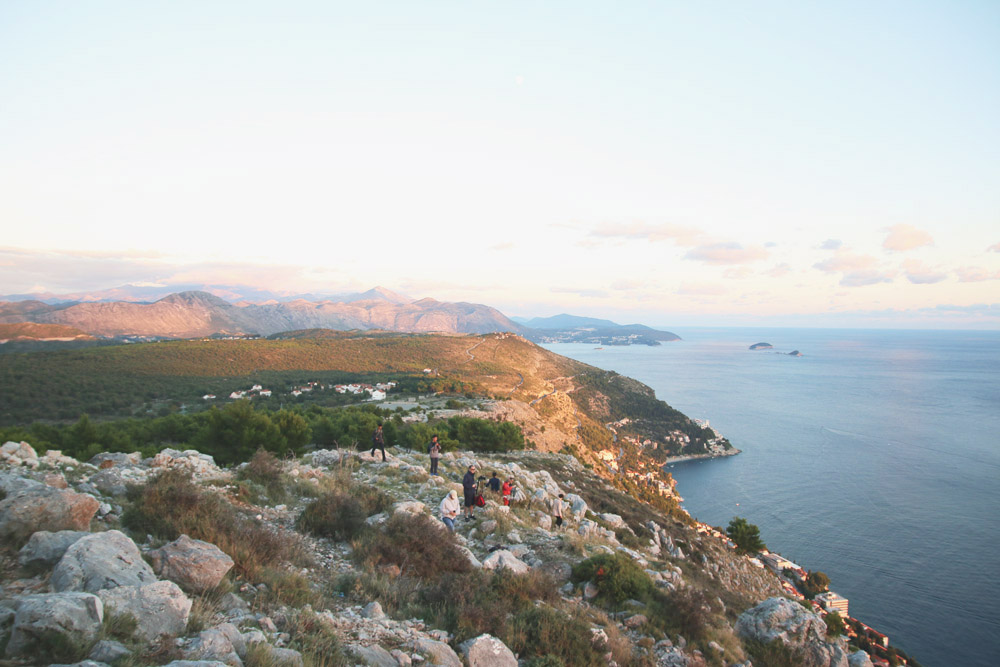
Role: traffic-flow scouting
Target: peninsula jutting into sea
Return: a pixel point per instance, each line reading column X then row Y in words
column 276, row 427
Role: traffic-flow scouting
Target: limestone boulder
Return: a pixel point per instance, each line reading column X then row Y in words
column 503, row 559
column 409, row 507
column 373, row 656
column 76, row 617
column 99, row 561
column 487, row 651
column 159, row 608
column 195, row 565
column 797, row 628
column 213, row 644
column 18, row 453
column 45, row 549
column 115, row 459
column 108, row 651
column 577, row 506
column 438, row 652
column 859, row 659
column 38, row 507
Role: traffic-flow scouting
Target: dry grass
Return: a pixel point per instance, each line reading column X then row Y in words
column 171, row 504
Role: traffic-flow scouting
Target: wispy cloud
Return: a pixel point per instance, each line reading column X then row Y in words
column 728, row 252
column 642, row 231
column 626, row 285
column 863, row 278
column 975, row 274
column 994, row 248
column 831, row 244
column 906, row 237
column 845, row 260
column 919, row 273
column 778, row 271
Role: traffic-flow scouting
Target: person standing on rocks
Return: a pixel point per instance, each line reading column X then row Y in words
column 378, row 441
column 556, row 506
column 494, row 483
column 449, row 509
column 508, row 486
column 435, row 451
column 469, row 486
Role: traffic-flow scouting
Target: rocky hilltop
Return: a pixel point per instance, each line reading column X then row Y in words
column 194, row 314
column 339, row 558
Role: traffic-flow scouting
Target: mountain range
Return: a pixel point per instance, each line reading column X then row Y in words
column 123, row 312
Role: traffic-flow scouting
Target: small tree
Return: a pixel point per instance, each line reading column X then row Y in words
column 746, row 535
column 834, row 624
column 816, row 582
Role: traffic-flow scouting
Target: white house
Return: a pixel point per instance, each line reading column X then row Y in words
column 265, row 392
column 208, row 397
column 378, row 395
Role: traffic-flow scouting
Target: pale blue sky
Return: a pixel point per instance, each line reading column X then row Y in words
column 666, row 162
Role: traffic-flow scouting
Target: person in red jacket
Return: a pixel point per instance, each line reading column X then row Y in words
column 508, row 486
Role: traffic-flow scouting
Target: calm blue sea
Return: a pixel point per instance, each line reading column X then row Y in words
column 875, row 457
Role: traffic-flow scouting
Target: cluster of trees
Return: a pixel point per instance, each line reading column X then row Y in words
column 746, row 536
column 233, row 433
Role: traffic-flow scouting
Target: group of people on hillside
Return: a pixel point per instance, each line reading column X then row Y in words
column 450, row 506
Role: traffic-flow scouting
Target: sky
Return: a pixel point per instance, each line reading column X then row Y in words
column 670, row 163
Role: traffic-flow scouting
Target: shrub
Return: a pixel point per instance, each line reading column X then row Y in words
column 547, row 632
column 685, row 611
column 477, row 602
column 418, row 544
column 616, row 576
column 265, row 470
column 341, row 513
column 171, row 504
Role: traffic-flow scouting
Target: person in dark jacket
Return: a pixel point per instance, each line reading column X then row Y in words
column 434, row 449
column 378, row 441
column 494, row 483
column 469, row 486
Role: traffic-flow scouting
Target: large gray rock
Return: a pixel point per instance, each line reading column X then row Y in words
column 195, row 565
column 438, row 653
column 285, row 657
column 38, row 618
column 797, row 628
column 487, row 651
column 39, row 507
column 503, row 559
column 214, row 644
column 577, row 506
column 108, row 651
column 859, row 659
column 44, row 549
column 159, row 608
column 373, row 656
column 99, row 561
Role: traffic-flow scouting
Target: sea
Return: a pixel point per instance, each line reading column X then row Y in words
column 874, row 457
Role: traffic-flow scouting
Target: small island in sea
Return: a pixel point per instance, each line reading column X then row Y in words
column 761, row 346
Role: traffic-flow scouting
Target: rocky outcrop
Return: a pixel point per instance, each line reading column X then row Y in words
column 18, row 453
column 37, row 507
column 797, row 628
column 159, row 608
column 45, row 549
column 487, row 651
column 195, row 565
column 439, row 652
column 99, row 561
column 859, row 659
column 503, row 559
column 76, row 617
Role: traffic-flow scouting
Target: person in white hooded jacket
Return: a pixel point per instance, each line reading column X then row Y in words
column 450, row 509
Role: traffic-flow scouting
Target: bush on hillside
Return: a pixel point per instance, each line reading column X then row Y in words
column 617, row 577
column 419, row 545
column 171, row 504
column 341, row 513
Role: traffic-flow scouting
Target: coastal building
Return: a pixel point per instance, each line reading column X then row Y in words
column 833, row 602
